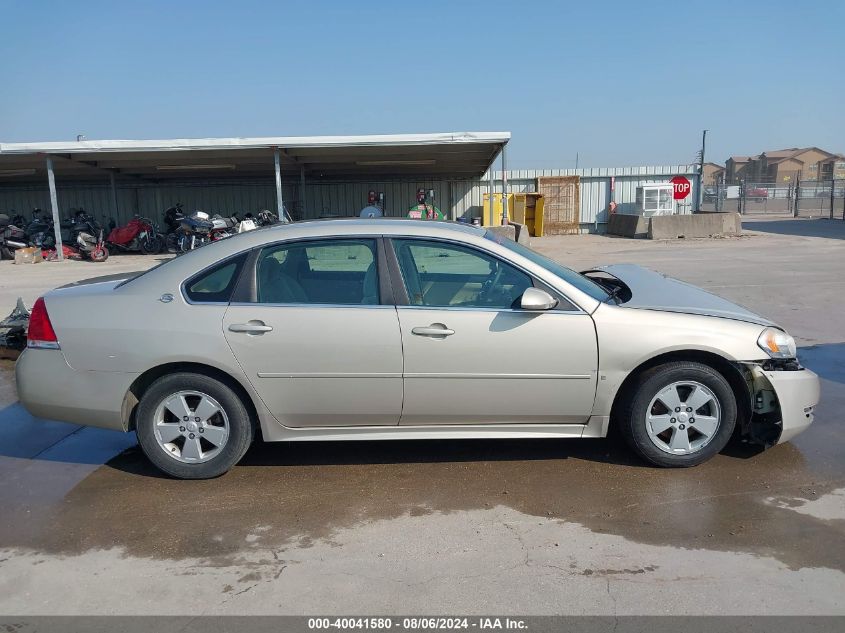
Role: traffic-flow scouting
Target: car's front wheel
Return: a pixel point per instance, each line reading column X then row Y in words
column 192, row 426
column 679, row 414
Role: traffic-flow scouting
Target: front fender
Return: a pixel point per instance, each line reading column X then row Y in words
column 630, row 337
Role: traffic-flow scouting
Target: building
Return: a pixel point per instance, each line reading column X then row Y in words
column 712, row 173
column 736, row 168
column 785, row 165
column 312, row 177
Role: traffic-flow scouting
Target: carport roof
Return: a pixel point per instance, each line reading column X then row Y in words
column 409, row 156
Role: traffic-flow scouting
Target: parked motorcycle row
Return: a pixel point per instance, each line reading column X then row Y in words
column 186, row 232
column 83, row 236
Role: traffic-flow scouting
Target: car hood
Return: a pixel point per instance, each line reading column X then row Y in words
column 654, row 291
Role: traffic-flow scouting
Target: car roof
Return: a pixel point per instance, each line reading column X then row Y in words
column 198, row 259
column 391, row 226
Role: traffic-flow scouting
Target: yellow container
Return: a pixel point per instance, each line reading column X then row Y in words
column 524, row 208
column 495, row 219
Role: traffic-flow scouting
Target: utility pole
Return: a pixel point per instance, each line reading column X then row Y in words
column 700, row 195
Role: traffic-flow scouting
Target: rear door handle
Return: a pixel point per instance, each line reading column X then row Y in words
column 253, row 327
column 435, row 329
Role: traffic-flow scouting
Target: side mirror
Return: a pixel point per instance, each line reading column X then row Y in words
column 536, row 299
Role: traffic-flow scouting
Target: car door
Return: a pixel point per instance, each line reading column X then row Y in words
column 472, row 356
column 319, row 339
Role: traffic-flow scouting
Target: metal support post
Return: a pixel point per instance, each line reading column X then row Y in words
column 832, row 189
column 54, row 205
column 700, row 194
column 302, row 192
column 492, row 194
column 504, row 186
column 115, row 209
column 280, row 205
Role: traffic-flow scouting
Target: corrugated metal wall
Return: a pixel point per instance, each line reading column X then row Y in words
column 464, row 198
column 595, row 188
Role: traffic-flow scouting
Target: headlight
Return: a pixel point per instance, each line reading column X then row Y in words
column 777, row 343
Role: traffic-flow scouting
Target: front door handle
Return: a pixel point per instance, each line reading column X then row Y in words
column 252, row 327
column 435, row 329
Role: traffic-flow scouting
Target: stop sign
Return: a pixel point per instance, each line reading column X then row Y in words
column 682, row 187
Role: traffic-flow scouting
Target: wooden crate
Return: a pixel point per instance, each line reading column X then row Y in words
column 562, row 204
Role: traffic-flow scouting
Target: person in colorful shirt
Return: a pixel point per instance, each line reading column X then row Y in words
column 423, row 211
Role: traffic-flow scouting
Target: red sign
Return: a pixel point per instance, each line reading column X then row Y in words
column 682, row 187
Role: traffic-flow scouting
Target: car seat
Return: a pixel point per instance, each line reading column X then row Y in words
column 276, row 286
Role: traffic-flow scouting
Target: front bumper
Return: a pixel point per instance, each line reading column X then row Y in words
column 795, row 393
column 50, row 388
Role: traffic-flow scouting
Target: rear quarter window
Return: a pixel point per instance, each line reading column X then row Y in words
column 215, row 284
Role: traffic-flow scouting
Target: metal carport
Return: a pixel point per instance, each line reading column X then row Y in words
column 460, row 155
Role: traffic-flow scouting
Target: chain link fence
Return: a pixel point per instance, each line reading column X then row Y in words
column 806, row 199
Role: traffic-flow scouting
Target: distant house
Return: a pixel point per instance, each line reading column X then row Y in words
column 785, row 165
column 834, row 165
column 712, row 173
column 736, row 168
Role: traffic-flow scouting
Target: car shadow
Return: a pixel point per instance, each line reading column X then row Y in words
column 818, row 227
column 611, row 450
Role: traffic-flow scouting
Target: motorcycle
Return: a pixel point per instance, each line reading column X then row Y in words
column 268, row 218
column 82, row 238
column 34, row 230
column 139, row 234
column 223, row 227
column 172, row 218
column 194, row 231
column 12, row 237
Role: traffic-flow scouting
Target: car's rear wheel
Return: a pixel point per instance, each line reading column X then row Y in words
column 192, row 426
column 679, row 414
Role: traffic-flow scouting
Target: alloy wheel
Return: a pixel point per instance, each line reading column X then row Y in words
column 683, row 417
column 191, row 427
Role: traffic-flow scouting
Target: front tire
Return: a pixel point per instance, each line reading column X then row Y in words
column 99, row 254
column 192, row 426
column 152, row 245
column 679, row 414
column 171, row 243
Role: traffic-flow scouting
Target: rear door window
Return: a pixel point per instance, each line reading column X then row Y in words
column 340, row 272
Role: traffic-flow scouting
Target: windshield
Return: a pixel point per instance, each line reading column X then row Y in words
column 585, row 285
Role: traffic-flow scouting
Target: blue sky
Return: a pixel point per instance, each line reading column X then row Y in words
column 620, row 83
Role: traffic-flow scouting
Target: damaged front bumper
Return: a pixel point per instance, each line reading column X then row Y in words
column 783, row 401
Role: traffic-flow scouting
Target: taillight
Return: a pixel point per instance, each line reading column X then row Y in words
column 41, row 334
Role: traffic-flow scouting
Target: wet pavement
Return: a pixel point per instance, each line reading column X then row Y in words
column 585, row 511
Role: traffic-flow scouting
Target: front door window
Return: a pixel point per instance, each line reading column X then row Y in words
column 437, row 274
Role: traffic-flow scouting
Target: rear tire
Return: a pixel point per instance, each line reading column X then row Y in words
column 679, row 414
column 196, row 445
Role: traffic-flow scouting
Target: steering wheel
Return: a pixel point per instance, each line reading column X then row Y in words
column 489, row 286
